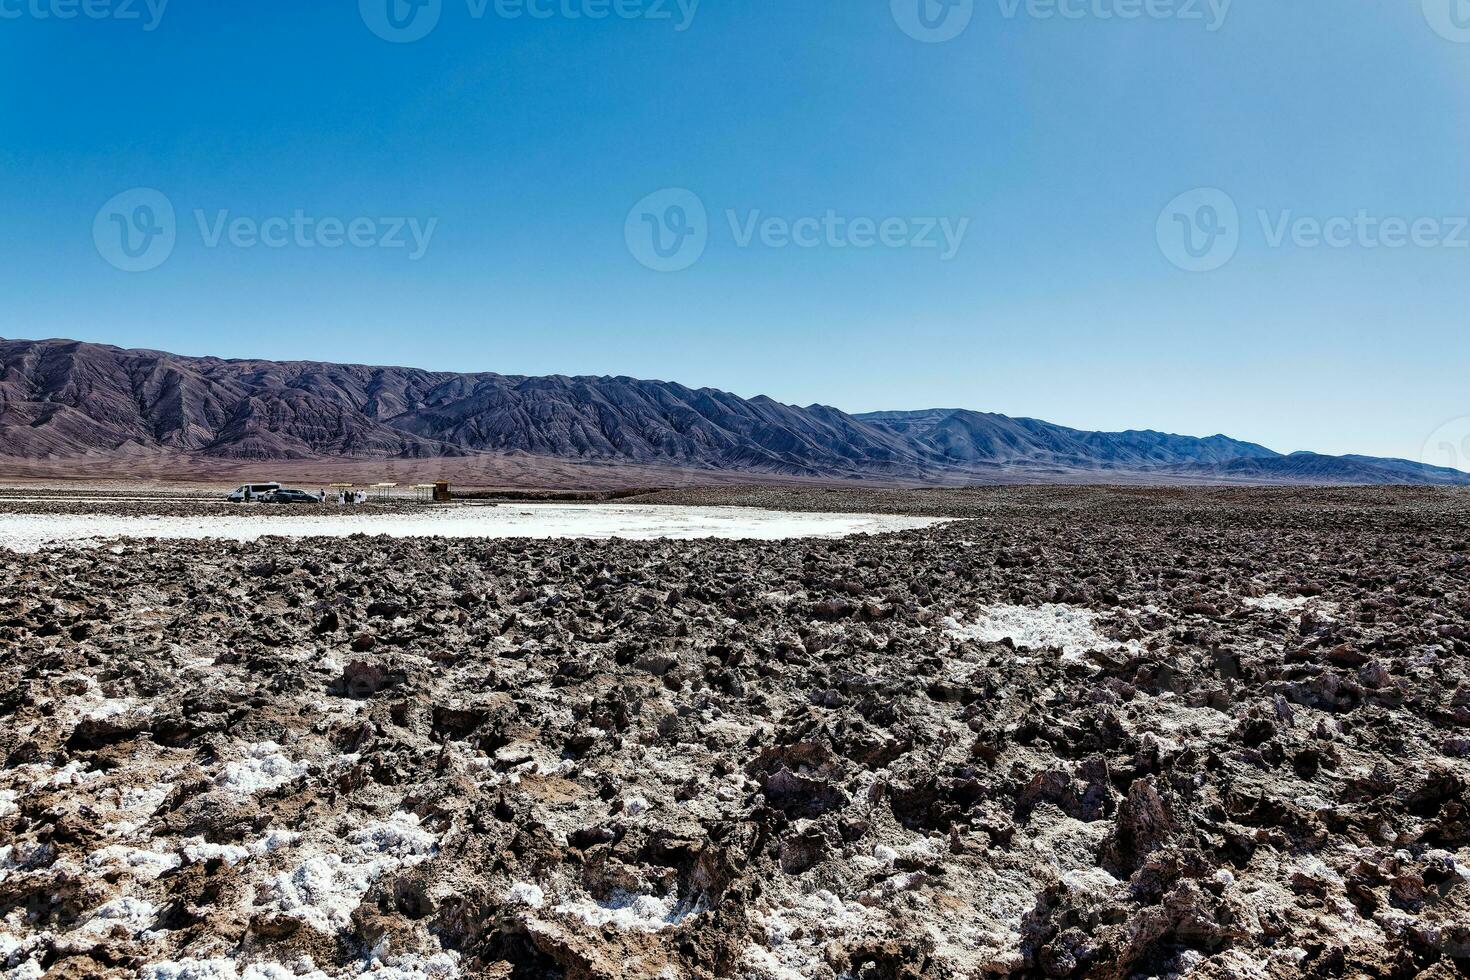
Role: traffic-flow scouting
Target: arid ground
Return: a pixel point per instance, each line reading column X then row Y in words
column 1074, row 733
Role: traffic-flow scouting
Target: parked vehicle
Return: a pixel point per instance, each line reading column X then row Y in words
column 251, row 491
column 285, row 496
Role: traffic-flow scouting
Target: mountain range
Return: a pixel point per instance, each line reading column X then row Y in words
column 65, row 401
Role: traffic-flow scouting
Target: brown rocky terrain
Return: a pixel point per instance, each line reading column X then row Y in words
column 1077, row 733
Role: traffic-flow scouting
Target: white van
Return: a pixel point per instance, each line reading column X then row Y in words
column 251, row 491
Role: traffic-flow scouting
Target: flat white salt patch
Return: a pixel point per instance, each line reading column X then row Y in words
column 74, row 773
column 30, row 532
column 1090, row 881
column 1276, row 603
column 148, row 798
column 31, row 969
column 133, row 914
column 191, row 969
column 101, row 499
column 525, row 893
column 399, row 837
column 29, row 856
column 1272, row 602
column 114, row 708
column 1050, row 626
column 791, row 950
column 224, row 969
column 265, row 767
column 410, row 966
column 633, row 913
column 197, row 849
column 324, row 889
column 136, row 861
column 134, row 806
column 20, row 956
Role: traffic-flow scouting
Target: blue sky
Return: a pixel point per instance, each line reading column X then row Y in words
column 521, row 144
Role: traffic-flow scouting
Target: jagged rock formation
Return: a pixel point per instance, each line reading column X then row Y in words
column 763, row 760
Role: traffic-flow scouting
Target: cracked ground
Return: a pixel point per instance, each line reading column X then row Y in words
column 1074, row 733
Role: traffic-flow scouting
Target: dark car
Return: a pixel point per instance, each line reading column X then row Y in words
column 291, row 497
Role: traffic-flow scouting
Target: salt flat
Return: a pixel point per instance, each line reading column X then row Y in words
column 1099, row 732
column 30, row 532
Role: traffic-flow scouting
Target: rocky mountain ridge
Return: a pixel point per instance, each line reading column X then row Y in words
column 65, row 399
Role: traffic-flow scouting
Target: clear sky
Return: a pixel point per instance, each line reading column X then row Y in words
column 522, row 140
